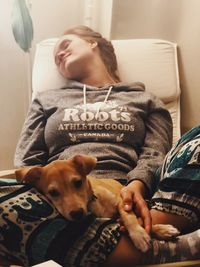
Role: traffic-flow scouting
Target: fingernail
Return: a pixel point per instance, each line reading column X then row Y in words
column 126, row 206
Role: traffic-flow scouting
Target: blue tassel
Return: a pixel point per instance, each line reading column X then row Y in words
column 22, row 25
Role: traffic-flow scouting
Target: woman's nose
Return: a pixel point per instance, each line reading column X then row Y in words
column 59, row 56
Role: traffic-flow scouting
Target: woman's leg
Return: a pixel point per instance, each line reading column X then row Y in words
column 186, row 247
column 176, row 202
column 125, row 254
column 181, row 223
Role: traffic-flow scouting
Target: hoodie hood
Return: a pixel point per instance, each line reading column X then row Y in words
column 135, row 86
column 125, row 87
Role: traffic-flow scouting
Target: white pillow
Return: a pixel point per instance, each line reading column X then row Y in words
column 151, row 61
column 45, row 75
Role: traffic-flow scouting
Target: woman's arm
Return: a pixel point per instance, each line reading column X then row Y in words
column 142, row 179
column 31, row 148
column 157, row 143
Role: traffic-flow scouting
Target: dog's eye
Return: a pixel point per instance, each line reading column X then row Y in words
column 54, row 193
column 77, row 183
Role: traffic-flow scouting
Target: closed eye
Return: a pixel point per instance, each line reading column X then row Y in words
column 77, row 183
column 66, row 44
column 54, row 193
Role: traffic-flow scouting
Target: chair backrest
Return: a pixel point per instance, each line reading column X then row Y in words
column 151, row 61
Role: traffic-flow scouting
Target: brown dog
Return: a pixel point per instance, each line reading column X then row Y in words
column 66, row 184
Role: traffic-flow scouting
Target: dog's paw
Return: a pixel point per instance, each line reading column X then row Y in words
column 164, row 231
column 140, row 238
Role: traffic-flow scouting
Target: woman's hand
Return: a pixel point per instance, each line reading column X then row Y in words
column 133, row 198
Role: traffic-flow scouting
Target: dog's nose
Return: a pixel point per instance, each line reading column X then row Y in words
column 77, row 215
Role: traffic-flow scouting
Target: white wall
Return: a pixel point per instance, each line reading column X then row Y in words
column 50, row 18
column 12, row 86
column 177, row 21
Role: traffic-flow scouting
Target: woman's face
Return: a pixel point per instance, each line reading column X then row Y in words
column 73, row 56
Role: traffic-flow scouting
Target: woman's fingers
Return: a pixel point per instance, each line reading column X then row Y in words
column 143, row 211
column 127, row 198
column 133, row 200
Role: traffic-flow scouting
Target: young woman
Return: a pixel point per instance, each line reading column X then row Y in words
column 128, row 130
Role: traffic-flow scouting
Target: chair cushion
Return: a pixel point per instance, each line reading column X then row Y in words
column 151, row 61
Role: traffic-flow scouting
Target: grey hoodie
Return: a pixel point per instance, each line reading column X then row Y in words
column 126, row 128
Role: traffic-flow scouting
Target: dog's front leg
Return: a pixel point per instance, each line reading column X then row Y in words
column 136, row 232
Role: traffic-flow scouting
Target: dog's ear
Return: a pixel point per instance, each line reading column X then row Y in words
column 85, row 164
column 29, row 174
column 21, row 173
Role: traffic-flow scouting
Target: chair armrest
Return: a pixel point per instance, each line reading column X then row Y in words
column 9, row 174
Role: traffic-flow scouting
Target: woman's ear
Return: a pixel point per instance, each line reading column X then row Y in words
column 93, row 44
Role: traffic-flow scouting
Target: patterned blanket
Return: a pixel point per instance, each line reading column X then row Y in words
column 178, row 191
column 32, row 231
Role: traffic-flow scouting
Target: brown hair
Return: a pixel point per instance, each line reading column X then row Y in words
column 106, row 48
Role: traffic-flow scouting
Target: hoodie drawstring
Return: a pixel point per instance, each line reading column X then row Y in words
column 85, row 101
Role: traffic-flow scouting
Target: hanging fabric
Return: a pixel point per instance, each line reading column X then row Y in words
column 22, row 25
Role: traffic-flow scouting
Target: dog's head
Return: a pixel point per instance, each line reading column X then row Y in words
column 64, row 182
